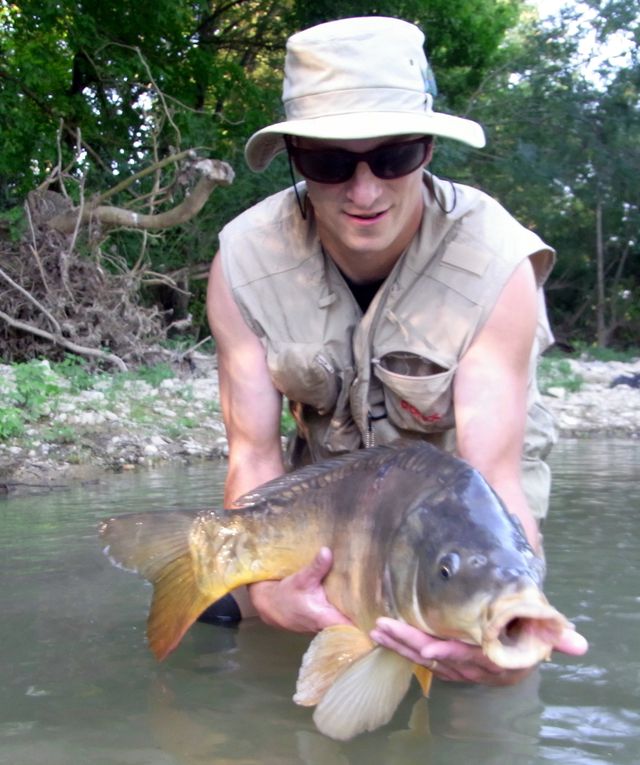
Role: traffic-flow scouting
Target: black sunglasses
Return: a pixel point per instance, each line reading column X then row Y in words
column 391, row 160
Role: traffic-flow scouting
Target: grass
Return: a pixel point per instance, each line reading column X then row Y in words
column 36, row 388
column 597, row 353
column 554, row 372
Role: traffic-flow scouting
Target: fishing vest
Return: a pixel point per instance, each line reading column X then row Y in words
column 355, row 380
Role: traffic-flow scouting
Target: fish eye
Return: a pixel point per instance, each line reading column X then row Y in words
column 448, row 565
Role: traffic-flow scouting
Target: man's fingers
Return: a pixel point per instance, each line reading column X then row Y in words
column 572, row 643
column 425, row 649
column 383, row 639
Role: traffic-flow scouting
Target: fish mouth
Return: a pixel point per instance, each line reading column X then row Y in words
column 522, row 630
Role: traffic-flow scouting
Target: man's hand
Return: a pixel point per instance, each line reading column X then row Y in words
column 454, row 660
column 298, row 602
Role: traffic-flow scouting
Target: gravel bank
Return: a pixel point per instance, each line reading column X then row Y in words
column 598, row 409
column 117, row 424
column 81, row 435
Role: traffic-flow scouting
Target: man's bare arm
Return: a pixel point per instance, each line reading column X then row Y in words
column 251, row 408
column 251, row 405
column 490, row 394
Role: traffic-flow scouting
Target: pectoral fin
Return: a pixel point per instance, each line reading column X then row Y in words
column 330, row 653
column 425, row 677
column 365, row 695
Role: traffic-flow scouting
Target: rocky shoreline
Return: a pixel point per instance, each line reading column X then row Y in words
column 84, row 435
column 113, row 426
column 603, row 406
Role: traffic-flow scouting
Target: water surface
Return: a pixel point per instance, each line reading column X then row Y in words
column 78, row 685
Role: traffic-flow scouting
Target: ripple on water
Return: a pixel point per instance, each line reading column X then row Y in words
column 591, row 731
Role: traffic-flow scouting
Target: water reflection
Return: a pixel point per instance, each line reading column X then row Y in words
column 486, row 724
column 78, row 684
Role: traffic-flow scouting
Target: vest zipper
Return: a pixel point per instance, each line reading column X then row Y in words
column 370, row 436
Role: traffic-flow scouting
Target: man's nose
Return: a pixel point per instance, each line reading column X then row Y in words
column 363, row 187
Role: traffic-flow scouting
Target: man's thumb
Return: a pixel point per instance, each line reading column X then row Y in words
column 320, row 565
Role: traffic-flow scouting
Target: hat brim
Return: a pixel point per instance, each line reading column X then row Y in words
column 264, row 145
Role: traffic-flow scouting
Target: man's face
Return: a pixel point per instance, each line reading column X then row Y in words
column 366, row 222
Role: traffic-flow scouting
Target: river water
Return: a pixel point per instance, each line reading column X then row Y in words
column 78, row 685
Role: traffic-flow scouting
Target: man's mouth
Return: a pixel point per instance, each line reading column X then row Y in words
column 367, row 217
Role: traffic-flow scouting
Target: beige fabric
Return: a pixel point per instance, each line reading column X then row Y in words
column 389, row 373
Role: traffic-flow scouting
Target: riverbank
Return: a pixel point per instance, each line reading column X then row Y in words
column 81, row 432
column 603, row 404
column 82, row 429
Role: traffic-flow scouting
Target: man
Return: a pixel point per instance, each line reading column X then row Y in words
column 381, row 302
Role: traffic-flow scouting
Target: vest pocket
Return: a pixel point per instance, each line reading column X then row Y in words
column 417, row 391
column 304, row 374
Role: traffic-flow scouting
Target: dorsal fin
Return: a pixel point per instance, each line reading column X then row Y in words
column 404, row 454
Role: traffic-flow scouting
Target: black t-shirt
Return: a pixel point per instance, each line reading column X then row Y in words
column 363, row 292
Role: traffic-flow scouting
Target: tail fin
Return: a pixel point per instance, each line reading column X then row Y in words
column 156, row 546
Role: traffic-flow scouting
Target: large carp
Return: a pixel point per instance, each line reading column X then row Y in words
column 416, row 534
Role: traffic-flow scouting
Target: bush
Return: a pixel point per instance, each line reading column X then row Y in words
column 558, row 373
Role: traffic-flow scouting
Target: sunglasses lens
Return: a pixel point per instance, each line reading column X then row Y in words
column 398, row 159
column 338, row 165
column 325, row 165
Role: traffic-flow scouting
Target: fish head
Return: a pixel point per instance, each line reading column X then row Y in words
column 460, row 567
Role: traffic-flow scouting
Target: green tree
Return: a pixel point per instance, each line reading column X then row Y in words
column 93, row 92
column 564, row 156
column 127, row 80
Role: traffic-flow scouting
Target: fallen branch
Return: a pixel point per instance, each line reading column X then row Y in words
column 31, row 299
column 68, row 344
column 56, row 301
column 213, row 173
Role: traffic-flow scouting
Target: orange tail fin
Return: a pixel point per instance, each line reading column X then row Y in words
column 156, row 545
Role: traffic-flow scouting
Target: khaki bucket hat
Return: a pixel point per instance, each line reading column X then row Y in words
column 357, row 78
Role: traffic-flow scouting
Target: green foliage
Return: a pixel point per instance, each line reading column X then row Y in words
column 12, row 223
column 12, row 422
column 180, row 426
column 557, row 373
column 563, row 149
column 35, row 387
column 128, row 82
column 30, row 397
column 60, row 434
column 598, row 353
column 149, row 375
column 153, row 375
column 287, row 422
column 77, row 373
